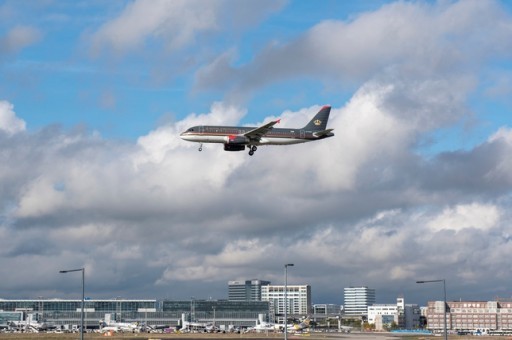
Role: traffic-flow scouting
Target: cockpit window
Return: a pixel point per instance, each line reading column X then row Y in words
column 190, row 130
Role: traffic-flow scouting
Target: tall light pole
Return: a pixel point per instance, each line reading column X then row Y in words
column 41, row 309
column 444, row 307
column 83, row 298
column 213, row 318
column 286, row 299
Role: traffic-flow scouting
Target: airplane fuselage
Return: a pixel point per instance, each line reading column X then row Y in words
column 224, row 134
column 236, row 138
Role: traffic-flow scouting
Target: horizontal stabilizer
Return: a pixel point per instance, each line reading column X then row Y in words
column 324, row 133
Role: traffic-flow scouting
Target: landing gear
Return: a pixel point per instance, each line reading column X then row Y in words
column 200, row 147
column 252, row 149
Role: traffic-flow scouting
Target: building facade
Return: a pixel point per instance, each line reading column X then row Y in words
column 404, row 316
column 298, row 301
column 249, row 290
column 323, row 309
column 357, row 300
column 58, row 312
column 61, row 312
column 218, row 312
column 382, row 315
column 470, row 316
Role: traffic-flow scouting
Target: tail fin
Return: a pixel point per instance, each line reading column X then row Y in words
column 319, row 121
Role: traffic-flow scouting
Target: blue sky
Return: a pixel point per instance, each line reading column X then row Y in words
column 415, row 184
column 56, row 79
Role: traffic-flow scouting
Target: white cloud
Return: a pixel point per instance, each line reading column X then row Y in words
column 9, row 123
column 478, row 216
column 175, row 22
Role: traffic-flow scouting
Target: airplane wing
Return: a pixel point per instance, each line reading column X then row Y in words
column 256, row 134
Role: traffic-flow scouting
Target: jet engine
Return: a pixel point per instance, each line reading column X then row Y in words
column 234, row 147
column 236, row 139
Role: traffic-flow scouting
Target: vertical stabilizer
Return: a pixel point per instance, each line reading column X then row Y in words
column 319, row 121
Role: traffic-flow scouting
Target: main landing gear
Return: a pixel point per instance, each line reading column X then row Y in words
column 200, row 147
column 252, row 149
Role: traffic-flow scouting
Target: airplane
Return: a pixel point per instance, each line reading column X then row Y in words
column 108, row 325
column 264, row 327
column 299, row 327
column 30, row 324
column 236, row 138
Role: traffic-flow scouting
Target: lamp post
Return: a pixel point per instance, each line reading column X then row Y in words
column 41, row 309
column 213, row 318
column 83, row 298
column 444, row 307
column 286, row 299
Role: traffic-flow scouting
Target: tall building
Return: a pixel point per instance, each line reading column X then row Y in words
column 249, row 290
column 298, row 296
column 357, row 300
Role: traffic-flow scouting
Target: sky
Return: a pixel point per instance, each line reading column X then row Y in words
column 415, row 185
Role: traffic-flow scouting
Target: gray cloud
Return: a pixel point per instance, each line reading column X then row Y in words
column 361, row 209
column 18, row 38
column 414, row 41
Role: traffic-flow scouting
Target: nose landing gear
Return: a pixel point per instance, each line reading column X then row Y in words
column 200, row 147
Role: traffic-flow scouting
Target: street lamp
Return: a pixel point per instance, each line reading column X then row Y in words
column 286, row 299
column 83, row 298
column 444, row 307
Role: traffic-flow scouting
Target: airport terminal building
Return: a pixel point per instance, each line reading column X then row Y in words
column 58, row 312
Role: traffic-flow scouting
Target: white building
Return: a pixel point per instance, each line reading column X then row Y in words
column 405, row 316
column 382, row 315
column 357, row 300
column 299, row 300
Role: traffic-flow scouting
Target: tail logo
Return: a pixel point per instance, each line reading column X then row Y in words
column 317, row 122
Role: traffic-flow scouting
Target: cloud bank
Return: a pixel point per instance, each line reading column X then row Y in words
column 156, row 218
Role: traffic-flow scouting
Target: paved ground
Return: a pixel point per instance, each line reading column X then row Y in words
column 247, row 336
column 251, row 336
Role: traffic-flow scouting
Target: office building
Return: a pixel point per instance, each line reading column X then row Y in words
column 298, row 296
column 249, row 290
column 471, row 316
column 330, row 309
column 357, row 300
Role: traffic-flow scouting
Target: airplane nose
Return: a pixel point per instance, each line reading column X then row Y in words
column 185, row 136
